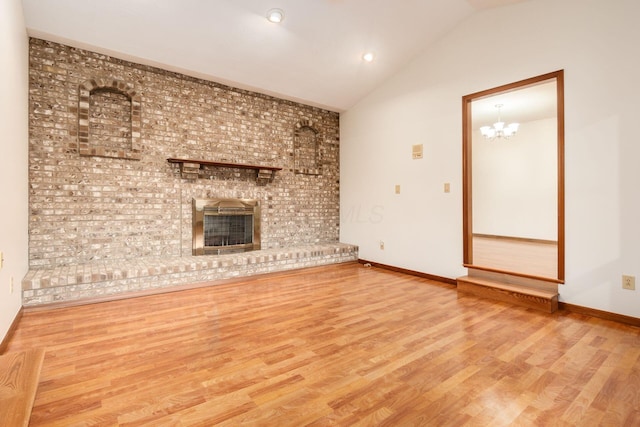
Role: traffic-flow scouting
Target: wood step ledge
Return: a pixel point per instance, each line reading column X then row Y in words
column 19, row 377
column 524, row 296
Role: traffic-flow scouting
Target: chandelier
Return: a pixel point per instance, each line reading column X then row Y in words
column 499, row 130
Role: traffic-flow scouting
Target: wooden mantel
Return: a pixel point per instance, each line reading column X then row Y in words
column 189, row 168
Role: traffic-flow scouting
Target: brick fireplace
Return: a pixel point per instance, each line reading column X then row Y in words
column 103, row 196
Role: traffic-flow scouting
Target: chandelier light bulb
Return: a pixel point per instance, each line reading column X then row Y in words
column 368, row 56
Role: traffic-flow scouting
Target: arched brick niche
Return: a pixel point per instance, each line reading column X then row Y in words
column 306, row 150
column 108, row 119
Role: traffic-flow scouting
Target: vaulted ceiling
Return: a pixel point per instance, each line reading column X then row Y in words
column 313, row 56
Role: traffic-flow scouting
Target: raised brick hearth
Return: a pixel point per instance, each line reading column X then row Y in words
column 105, row 279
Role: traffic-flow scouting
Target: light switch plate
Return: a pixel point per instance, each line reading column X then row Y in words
column 416, row 151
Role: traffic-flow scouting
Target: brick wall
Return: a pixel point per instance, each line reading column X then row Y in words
column 86, row 207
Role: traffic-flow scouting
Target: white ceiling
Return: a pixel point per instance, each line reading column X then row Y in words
column 523, row 105
column 314, row 56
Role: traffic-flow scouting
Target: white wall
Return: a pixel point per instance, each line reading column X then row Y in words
column 595, row 42
column 515, row 183
column 14, row 114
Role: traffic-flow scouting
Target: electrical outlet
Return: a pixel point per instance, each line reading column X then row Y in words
column 381, row 245
column 629, row 282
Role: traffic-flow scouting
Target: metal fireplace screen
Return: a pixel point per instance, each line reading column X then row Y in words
column 225, row 226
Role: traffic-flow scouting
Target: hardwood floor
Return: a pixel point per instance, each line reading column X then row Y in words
column 530, row 257
column 19, row 376
column 338, row 345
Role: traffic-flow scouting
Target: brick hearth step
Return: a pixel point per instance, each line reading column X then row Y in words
column 108, row 279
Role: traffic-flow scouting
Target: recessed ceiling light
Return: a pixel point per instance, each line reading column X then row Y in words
column 275, row 15
column 368, row 56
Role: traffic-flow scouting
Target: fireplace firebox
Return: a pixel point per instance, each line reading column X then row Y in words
column 225, row 226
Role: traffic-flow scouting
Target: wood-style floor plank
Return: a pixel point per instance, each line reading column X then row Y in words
column 512, row 254
column 19, row 374
column 338, row 345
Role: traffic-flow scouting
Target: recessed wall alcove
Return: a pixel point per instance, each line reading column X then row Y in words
column 108, row 119
column 306, row 149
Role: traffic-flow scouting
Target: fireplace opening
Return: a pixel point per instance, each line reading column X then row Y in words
column 225, row 226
